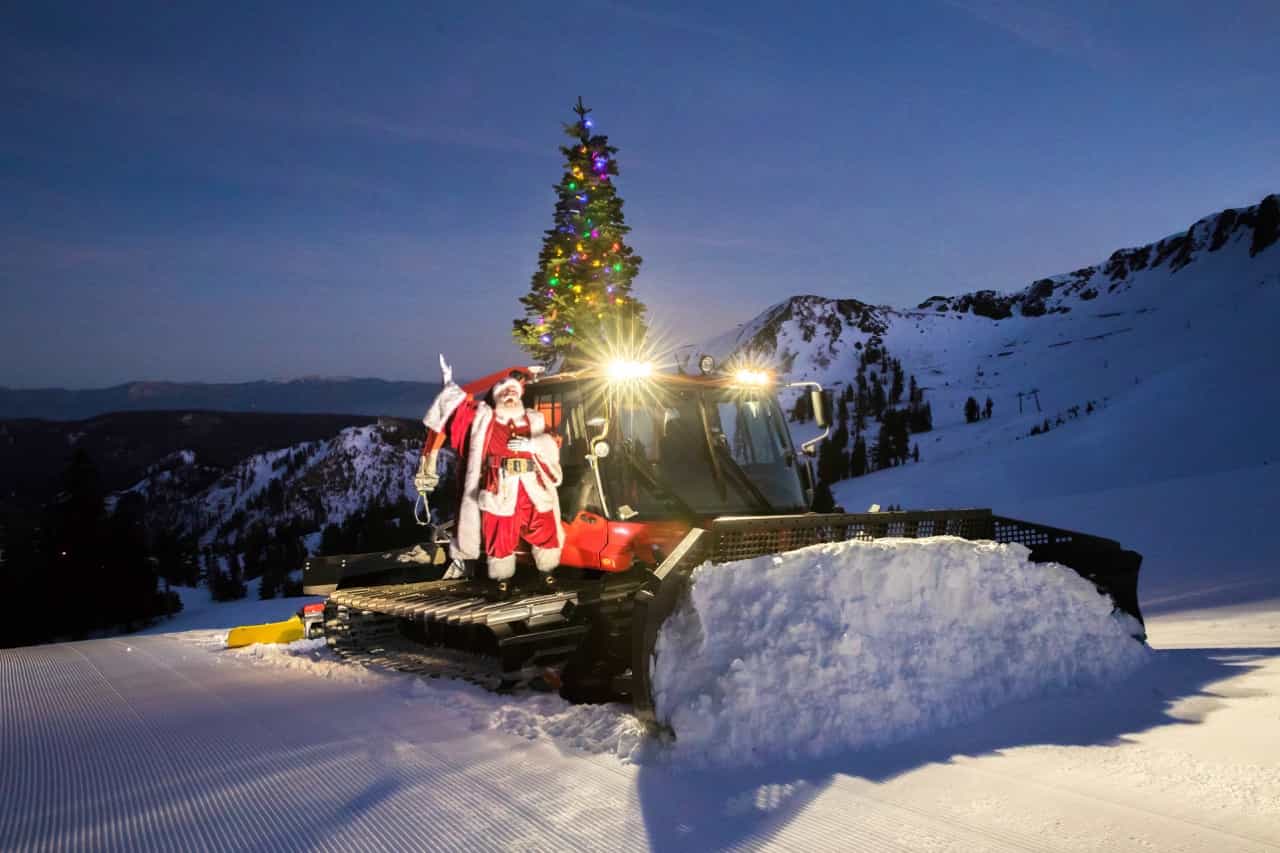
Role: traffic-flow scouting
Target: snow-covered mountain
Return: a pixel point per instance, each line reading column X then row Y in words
column 1056, row 344
column 301, row 488
column 1152, row 372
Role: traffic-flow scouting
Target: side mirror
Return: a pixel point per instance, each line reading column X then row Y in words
column 818, row 401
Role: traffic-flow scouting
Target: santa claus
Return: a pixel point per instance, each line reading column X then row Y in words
column 510, row 471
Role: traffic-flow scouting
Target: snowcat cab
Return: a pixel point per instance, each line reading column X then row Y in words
column 662, row 472
column 647, row 456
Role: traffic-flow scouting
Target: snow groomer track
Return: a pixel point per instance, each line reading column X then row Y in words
column 449, row 628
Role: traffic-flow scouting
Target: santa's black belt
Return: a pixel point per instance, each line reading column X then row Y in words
column 513, row 466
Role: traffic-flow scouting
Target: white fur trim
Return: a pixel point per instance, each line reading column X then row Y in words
column 466, row 537
column 444, row 405
column 546, row 559
column 498, row 386
column 541, row 488
column 501, row 568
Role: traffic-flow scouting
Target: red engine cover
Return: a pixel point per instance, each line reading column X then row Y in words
column 593, row 542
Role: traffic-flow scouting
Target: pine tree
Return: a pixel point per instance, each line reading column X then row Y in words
column 833, row 464
column 986, row 410
column 581, row 291
column 1266, row 228
column 802, row 411
column 878, row 401
column 823, row 500
column 78, row 532
column 971, row 410
column 858, row 458
column 235, row 577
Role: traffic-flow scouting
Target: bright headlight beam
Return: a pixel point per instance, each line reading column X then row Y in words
column 752, row 377
column 620, row 370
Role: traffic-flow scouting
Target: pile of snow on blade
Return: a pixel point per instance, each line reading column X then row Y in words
column 858, row 644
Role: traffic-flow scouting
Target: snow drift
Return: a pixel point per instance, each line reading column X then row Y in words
column 859, row 644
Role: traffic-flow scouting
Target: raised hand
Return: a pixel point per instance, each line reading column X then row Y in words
column 445, row 370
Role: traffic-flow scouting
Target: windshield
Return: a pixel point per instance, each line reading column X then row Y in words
column 712, row 451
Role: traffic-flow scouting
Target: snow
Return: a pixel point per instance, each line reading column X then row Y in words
column 170, row 741
column 856, row 644
column 200, row 613
column 418, row 554
column 343, row 475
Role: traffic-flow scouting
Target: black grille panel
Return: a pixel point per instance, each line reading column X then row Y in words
column 744, row 538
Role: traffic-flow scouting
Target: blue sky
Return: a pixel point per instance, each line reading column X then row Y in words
column 234, row 191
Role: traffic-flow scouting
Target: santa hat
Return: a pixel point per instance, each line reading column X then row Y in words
column 515, row 379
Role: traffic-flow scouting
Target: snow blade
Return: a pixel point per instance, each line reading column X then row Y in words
column 1113, row 570
column 272, row 632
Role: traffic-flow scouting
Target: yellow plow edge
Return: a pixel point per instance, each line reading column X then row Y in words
column 272, row 632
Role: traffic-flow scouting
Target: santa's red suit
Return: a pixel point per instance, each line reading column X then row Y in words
column 507, row 494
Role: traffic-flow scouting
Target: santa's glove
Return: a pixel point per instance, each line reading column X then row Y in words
column 520, row 445
column 426, row 480
column 446, row 372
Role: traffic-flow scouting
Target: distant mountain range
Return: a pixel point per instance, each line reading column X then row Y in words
column 949, row 340
column 1191, row 315
column 298, row 396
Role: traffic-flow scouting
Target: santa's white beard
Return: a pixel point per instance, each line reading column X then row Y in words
column 509, row 410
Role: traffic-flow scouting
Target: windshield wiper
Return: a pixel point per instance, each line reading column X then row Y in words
column 656, row 483
column 719, row 454
column 741, row 478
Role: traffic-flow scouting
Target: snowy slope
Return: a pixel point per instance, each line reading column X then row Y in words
column 1178, row 455
column 1099, row 332
column 310, row 484
column 163, row 743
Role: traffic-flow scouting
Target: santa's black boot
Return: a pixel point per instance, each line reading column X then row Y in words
column 502, row 572
column 497, row 590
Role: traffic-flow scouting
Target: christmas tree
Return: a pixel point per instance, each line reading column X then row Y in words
column 580, row 297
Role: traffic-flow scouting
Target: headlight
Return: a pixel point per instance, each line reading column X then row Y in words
column 623, row 370
column 752, row 377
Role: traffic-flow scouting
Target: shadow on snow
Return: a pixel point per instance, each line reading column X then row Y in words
column 687, row 809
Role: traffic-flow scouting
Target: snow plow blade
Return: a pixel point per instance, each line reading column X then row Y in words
column 598, row 631
column 1112, row 569
column 287, row 631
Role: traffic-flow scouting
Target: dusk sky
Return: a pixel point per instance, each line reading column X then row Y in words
column 236, row 191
